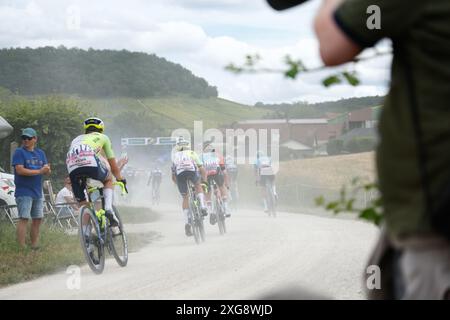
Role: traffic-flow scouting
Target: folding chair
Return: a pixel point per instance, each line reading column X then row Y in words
column 10, row 212
column 66, row 213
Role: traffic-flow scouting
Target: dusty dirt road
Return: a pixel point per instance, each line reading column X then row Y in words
column 258, row 255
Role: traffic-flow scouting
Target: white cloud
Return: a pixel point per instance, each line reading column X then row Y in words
column 202, row 35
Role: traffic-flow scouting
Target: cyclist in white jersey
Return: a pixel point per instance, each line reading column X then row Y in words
column 91, row 155
column 186, row 165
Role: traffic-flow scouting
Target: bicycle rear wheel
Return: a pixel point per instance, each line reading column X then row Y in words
column 91, row 241
column 118, row 243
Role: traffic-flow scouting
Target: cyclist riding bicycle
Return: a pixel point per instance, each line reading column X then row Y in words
column 155, row 178
column 264, row 172
column 186, row 166
column 232, row 172
column 215, row 170
column 91, row 155
column 232, row 169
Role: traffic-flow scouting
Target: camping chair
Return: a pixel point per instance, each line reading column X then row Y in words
column 62, row 215
column 10, row 212
column 67, row 214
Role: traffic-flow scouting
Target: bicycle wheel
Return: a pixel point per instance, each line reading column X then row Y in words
column 118, row 242
column 193, row 221
column 91, row 241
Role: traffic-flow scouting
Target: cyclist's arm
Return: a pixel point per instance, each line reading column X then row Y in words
column 115, row 168
column 199, row 165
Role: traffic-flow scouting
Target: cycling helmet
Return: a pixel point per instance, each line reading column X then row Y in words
column 182, row 145
column 94, row 123
column 209, row 148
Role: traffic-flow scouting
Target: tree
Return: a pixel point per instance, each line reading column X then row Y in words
column 57, row 121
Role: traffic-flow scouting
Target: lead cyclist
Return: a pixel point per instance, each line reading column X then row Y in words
column 91, row 155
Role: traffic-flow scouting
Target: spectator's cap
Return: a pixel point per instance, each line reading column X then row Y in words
column 284, row 4
column 29, row 132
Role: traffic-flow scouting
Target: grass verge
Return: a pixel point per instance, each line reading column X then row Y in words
column 58, row 250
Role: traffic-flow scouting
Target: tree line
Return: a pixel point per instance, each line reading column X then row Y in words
column 96, row 73
column 304, row 109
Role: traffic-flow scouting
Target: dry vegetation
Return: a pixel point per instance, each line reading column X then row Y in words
column 328, row 172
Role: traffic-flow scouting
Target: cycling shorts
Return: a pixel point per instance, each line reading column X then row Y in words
column 184, row 177
column 218, row 178
column 99, row 173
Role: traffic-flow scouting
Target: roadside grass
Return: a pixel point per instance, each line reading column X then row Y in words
column 136, row 215
column 58, row 250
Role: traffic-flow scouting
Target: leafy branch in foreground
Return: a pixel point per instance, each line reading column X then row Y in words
column 371, row 211
column 296, row 67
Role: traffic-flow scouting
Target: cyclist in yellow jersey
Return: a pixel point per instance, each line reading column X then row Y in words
column 91, row 155
column 186, row 165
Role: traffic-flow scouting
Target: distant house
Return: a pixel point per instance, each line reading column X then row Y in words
column 364, row 118
column 302, row 137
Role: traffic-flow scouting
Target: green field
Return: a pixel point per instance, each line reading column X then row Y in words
column 176, row 112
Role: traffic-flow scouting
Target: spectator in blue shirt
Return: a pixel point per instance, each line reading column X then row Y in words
column 29, row 163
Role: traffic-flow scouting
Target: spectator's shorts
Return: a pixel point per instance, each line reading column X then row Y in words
column 183, row 178
column 29, row 207
column 99, row 173
column 218, row 178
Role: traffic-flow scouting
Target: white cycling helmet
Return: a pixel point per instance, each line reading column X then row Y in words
column 182, row 145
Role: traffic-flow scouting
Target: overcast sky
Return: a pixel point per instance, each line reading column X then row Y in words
column 202, row 35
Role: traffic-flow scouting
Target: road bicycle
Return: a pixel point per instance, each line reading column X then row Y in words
column 156, row 194
column 195, row 216
column 218, row 208
column 95, row 231
column 271, row 198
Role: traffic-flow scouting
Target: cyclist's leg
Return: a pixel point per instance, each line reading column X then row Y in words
column 181, row 179
column 104, row 175
column 262, row 181
column 195, row 178
column 274, row 189
column 220, row 180
column 78, row 189
column 208, row 194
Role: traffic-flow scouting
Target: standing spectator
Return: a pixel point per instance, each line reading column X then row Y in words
column 29, row 163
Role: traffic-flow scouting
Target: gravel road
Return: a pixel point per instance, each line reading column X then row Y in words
column 293, row 255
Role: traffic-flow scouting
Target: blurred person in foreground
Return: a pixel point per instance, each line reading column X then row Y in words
column 30, row 164
column 413, row 156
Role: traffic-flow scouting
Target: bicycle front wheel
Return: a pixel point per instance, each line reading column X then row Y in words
column 91, row 241
column 118, row 242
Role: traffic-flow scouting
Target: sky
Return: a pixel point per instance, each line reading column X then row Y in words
column 202, row 35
